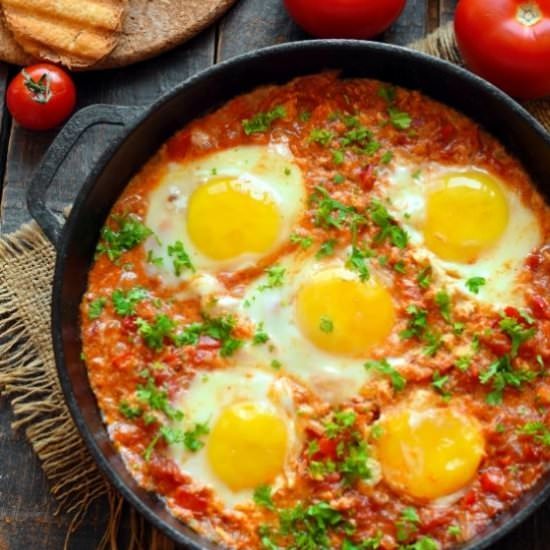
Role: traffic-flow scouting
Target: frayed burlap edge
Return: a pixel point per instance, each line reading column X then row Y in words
column 28, row 377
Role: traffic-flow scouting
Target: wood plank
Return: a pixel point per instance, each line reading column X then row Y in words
column 135, row 85
column 26, row 507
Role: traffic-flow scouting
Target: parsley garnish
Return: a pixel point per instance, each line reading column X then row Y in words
column 154, row 333
column 125, row 302
column 157, row 399
column 326, row 249
column 338, row 179
column 321, row 136
column 443, row 301
column 517, row 332
column 191, row 438
column 260, row 336
column 129, row 411
column 383, row 367
column 388, row 228
column 538, row 431
column 262, row 497
column 275, row 277
column 331, row 212
column 473, row 284
column 262, row 121
column 386, row 157
column 424, row 543
column 304, row 241
column 372, row 543
column 408, row 524
column 424, row 278
column 356, row 262
column 399, row 119
column 130, row 232
column 276, row 364
column 96, row 308
column 439, row 382
column 180, row 258
column 417, row 324
column 326, row 324
column 501, row 374
column 387, row 93
column 338, row 156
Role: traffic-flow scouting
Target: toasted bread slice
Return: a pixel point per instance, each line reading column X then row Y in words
column 77, row 34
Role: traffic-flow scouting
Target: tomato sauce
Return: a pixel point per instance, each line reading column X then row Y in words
column 119, row 359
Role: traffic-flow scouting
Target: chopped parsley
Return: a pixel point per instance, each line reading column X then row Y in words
column 338, row 178
column 388, row 227
column 125, row 302
column 473, row 284
column 96, row 308
column 154, row 333
column 351, row 452
column 157, row 399
column 260, row 336
column 275, row 277
column 517, row 332
column 129, row 233
column 399, row 119
column 417, row 324
column 387, row 93
column 356, row 262
column 326, row 324
column 129, row 411
column 303, row 241
column 538, row 431
column 304, row 116
column 454, row 531
column 424, row 543
column 261, row 122
column 501, row 374
column 321, row 136
column 386, row 157
column 439, row 382
column 276, row 364
column 443, row 301
column 383, row 367
column 180, row 258
column 338, row 156
column 262, row 497
column 326, row 249
column 191, row 438
column 372, row 543
column 424, row 278
column 407, row 524
column 331, row 213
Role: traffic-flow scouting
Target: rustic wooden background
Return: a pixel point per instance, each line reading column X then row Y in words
column 27, row 519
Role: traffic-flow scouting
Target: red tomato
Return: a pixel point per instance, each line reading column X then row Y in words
column 41, row 97
column 345, row 18
column 508, row 43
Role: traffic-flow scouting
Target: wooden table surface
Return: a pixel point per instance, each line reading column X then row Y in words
column 27, row 511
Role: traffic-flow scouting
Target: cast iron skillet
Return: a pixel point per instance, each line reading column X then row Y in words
column 143, row 133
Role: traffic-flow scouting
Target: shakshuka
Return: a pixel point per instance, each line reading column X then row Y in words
column 319, row 317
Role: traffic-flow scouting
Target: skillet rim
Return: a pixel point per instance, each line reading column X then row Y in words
column 183, row 534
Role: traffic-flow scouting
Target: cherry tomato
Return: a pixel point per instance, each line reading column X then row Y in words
column 41, row 97
column 345, row 18
column 508, row 43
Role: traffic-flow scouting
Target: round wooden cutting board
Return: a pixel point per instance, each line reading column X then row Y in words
column 150, row 28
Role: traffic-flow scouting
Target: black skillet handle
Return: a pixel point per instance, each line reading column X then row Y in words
column 57, row 152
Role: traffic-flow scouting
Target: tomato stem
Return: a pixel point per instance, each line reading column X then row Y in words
column 529, row 14
column 40, row 90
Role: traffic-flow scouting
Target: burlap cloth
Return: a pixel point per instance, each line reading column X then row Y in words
column 28, row 373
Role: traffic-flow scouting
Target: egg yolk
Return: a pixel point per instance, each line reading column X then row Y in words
column 226, row 219
column 430, row 453
column 343, row 315
column 247, row 446
column 466, row 214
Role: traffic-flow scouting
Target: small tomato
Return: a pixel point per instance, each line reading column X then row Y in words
column 41, row 97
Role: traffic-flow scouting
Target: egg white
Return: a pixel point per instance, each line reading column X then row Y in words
column 405, row 185
column 208, row 395
column 263, row 170
column 333, row 378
